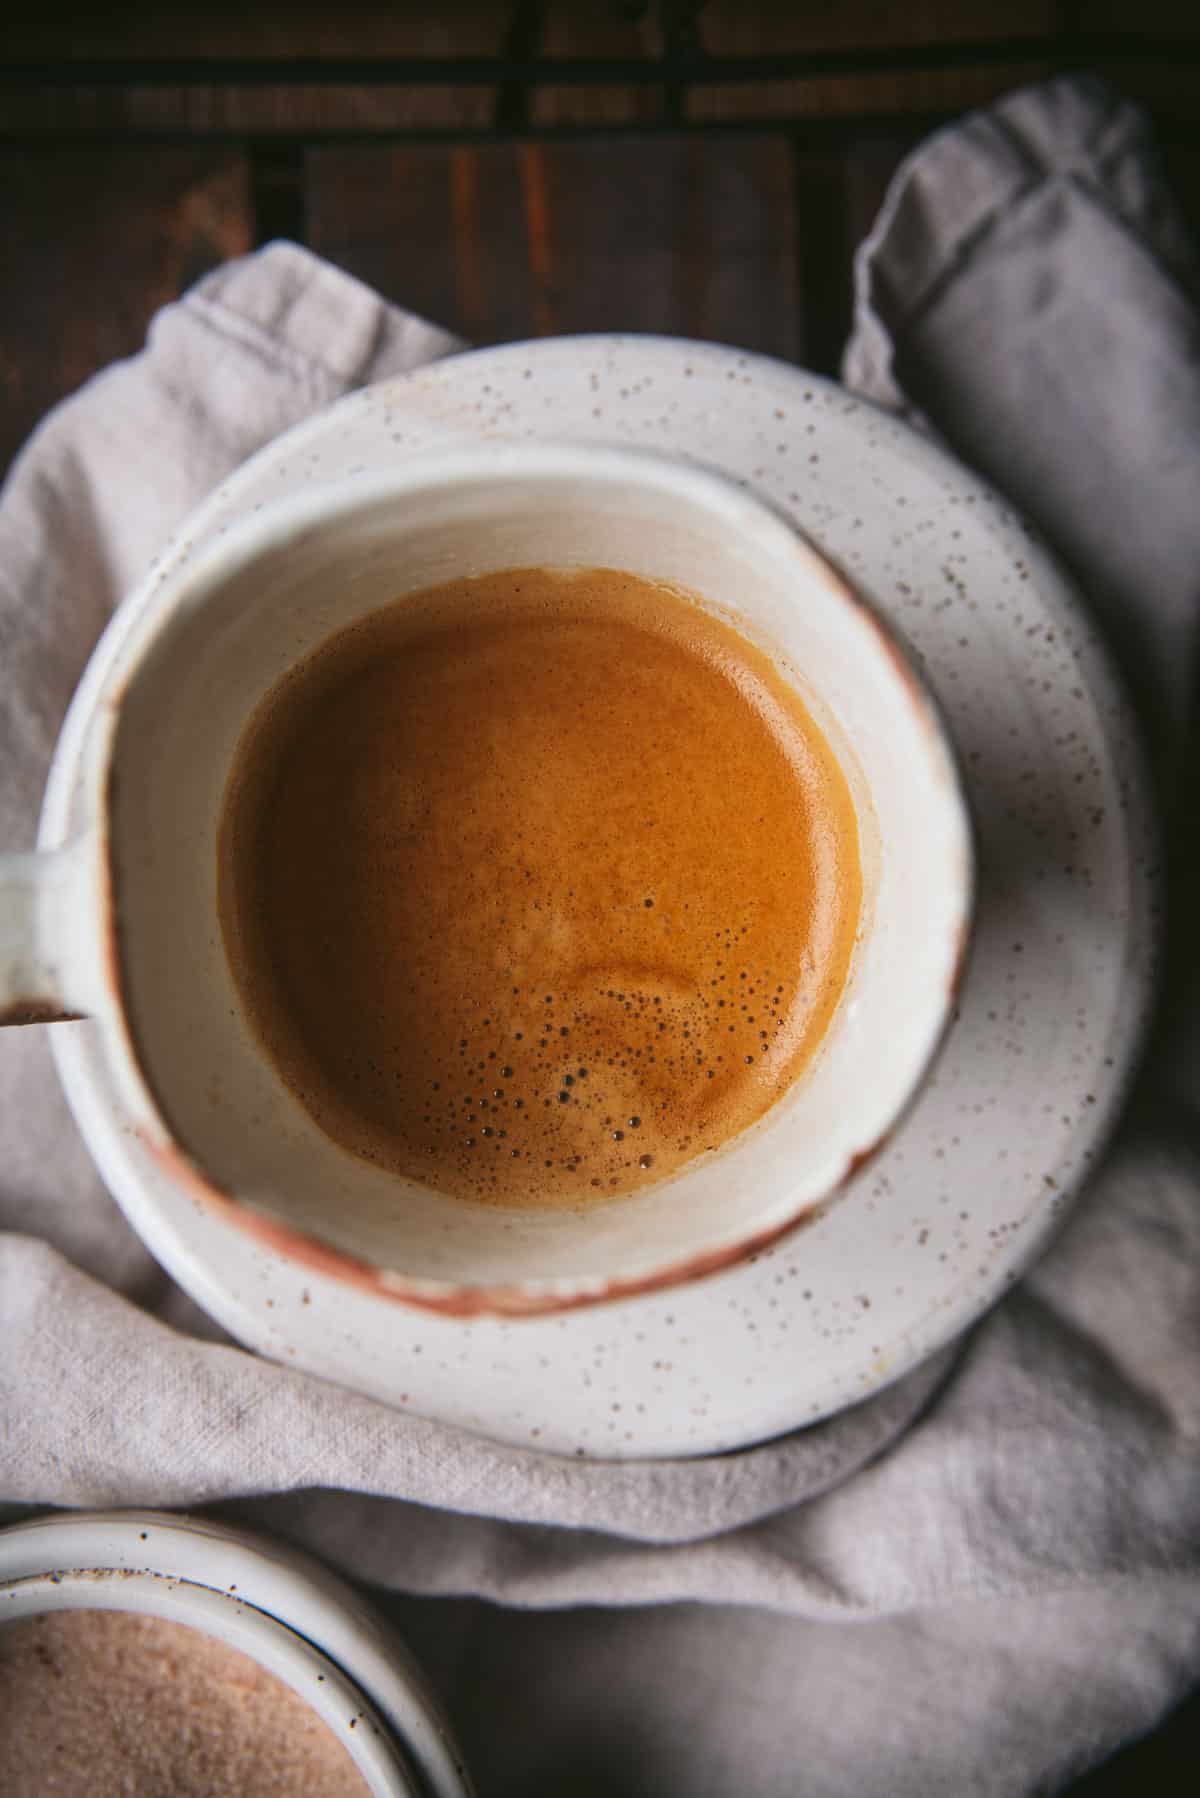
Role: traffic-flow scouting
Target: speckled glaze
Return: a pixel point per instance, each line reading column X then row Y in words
column 134, row 898
column 1049, row 1015
column 277, row 1606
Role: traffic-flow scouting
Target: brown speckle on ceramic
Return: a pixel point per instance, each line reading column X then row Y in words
column 968, row 1188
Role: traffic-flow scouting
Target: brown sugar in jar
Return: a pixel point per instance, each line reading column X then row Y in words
column 95, row 1703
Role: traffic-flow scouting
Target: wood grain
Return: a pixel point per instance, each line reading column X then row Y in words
column 120, row 29
column 93, row 243
column 1154, row 55
column 920, row 93
column 571, row 30
column 231, row 110
column 755, row 27
column 508, row 240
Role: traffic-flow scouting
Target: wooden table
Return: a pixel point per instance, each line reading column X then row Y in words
column 515, row 168
column 507, row 167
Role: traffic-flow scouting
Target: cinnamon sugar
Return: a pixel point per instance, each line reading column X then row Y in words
column 124, row 1705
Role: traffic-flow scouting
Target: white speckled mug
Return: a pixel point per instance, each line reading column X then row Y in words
column 121, row 924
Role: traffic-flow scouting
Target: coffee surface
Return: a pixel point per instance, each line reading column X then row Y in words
column 538, row 885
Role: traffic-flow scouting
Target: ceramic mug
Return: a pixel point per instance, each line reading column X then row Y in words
column 120, row 925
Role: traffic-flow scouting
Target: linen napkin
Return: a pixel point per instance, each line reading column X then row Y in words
column 977, row 1582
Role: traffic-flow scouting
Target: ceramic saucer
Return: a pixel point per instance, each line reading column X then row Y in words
column 1050, row 1013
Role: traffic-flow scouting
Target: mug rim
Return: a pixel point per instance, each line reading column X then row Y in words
column 158, row 601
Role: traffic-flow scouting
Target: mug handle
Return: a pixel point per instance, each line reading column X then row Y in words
column 48, row 966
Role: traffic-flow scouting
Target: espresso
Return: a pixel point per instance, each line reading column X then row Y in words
column 538, row 885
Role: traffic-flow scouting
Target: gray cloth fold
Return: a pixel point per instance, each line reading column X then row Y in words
column 986, row 1576
column 1029, row 290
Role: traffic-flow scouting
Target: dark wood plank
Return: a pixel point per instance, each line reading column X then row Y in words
column 234, row 110
column 883, row 94
column 93, row 243
column 765, row 27
column 571, row 30
column 824, row 258
column 1150, row 18
column 73, row 31
column 1181, row 164
column 755, row 27
column 120, row 29
column 499, row 241
column 1145, row 60
column 436, row 228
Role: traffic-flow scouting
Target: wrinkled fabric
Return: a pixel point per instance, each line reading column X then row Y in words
column 984, row 1578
